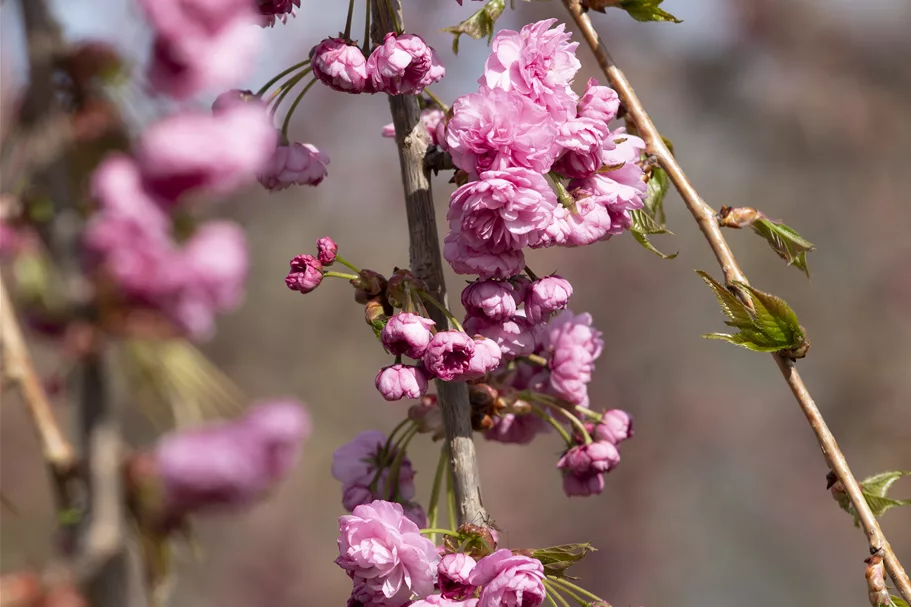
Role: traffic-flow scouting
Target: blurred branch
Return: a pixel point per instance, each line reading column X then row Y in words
column 706, row 219
column 427, row 264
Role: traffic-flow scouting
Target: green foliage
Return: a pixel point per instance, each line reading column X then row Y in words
column 786, row 242
column 875, row 489
column 898, row 602
column 557, row 559
column 647, row 10
column 771, row 326
column 378, row 324
column 479, row 25
column 650, row 219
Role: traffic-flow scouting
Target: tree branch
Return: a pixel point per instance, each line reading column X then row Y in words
column 708, row 224
column 427, row 264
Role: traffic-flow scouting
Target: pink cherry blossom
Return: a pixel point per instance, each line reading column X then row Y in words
column 583, row 467
column 572, row 345
column 294, row 164
column 537, row 62
column 453, row 572
column 407, row 333
column 582, row 140
column 600, row 103
column 514, row 336
column 615, row 427
column 491, row 298
column 516, row 429
column 486, row 358
column 509, row 579
column 340, row 65
column 200, row 44
column 327, row 249
column 385, row 554
column 403, row 65
column 465, row 259
column 504, row 211
column 546, row 296
column 495, row 130
column 277, row 10
column 436, row 600
column 449, row 354
column 306, row 274
column 401, row 381
column 193, row 151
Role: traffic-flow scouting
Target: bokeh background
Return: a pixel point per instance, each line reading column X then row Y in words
column 800, row 108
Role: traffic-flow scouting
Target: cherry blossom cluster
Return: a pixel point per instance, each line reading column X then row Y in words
column 526, row 125
column 391, row 564
column 402, row 65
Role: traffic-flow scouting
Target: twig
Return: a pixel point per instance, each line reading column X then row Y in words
column 705, row 218
column 427, row 264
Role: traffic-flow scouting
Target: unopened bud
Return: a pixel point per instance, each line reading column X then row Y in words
column 395, row 290
column 368, row 284
column 876, row 581
column 477, row 541
column 375, row 311
column 738, row 217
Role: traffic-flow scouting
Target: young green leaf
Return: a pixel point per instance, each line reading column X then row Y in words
column 771, row 326
column 786, row 242
column 658, row 185
column 557, row 559
column 647, row 10
column 898, row 602
column 875, row 490
column 642, row 227
column 479, row 25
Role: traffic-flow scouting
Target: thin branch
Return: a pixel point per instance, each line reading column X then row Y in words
column 708, row 224
column 19, row 368
column 427, row 264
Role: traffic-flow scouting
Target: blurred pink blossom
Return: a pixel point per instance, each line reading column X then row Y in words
column 294, row 164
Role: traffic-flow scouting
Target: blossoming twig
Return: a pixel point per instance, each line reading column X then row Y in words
column 705, row 217
column 426, row 263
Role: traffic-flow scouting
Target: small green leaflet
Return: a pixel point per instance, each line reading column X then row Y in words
column 898, row 602
column 650, row 219
column 647, row 10
column 557, row 559
column 786, row 242
column 875, row 489
column 773, row 327
column 478, row 25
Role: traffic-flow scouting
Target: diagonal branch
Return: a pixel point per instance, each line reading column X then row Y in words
column 705, row 218
column 427, row 264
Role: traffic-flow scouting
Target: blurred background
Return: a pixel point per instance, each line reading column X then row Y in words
column 801, row 109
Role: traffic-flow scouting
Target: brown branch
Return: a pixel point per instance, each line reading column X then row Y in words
column 708, row 224
column 427, row 264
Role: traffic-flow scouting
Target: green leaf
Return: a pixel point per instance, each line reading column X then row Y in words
column 658, row 185
column 875, row 490
column 647, row 10
column 771, row 326
column 879, row 484
column 786, row 242
column 378, row 325
column 557, row 559
column 898, row 602
column 642, row 227
column 479, row 25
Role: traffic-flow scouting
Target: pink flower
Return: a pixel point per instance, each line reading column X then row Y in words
column 403, row 65
column 201, row 152
column 615, row 427
column 407, row 334
column 432, row 119
column 200, row 44
column 509, row 579
column 486, row 358
column 516, row 429
column 582, row 140
column 326, row 250
column 465, row 259
column 490, row 298
column 231, row 463
column 583, row 467
column 118, row 188
column 294, row 164
column 546, row 296
column 572, row 345
column 216, row 257
column 276, row 10
column 436, row 600
column 452, row 576
column 504, row 211
column 514, row 336
column 449, row 354
column 589, row 221
column 401, row 381
column 355, row 464
column 385, row 554
column 599, row 102
column 538, row 63
column 340, row 66
column 234, row 97
column 306, row 274
column 495, row 130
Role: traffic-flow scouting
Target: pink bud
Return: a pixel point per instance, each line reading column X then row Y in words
column 490, row 298
column 616, row 426
column 448, row 354
column 340, row 65
column 452, row 576
column 277, row 10
column 401, row 381
column 546, row 296
column 486, row 358
column 403, row 65
column 599, row 102
column 306, row 274
column 326, row 250
column 407, row 334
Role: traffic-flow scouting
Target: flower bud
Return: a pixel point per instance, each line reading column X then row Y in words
column 340, row 65
column 409, row 334
column 306, row 274
column 490, row 298
column 401, row 381
column 615, row 427
column 738, row 217
column 326, row 250
column 452, row 576
column 403, row 65
column 448, row 354
column 395, row 290
column 369, row 283
column 546, row 296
